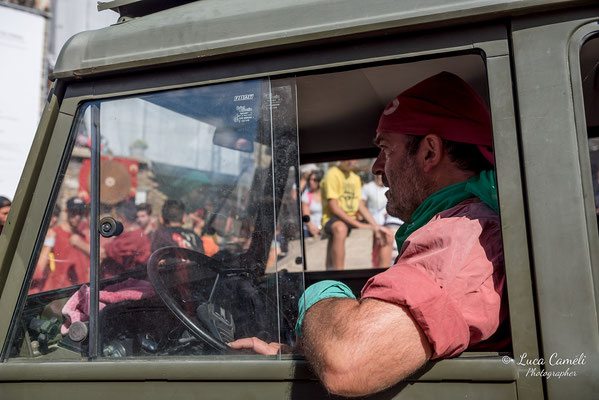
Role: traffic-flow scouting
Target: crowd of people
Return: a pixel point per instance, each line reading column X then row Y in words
column 335, row 202
column 65, row 255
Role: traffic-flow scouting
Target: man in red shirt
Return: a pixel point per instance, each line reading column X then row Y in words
column 70, row 250
column 129, row 250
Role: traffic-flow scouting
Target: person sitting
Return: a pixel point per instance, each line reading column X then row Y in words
column 373, row 195
column 341, row 197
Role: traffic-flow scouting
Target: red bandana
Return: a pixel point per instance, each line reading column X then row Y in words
column 444, row 105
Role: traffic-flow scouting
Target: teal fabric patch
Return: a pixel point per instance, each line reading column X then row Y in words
column 483, row 186
column 320, row 291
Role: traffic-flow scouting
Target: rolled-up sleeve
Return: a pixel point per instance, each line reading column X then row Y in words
column 450, row 276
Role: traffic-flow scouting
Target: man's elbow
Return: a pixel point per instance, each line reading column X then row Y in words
column 352, row 383
column 342, row 378
column 359, row 373
column 341, row 384
column 347, row 375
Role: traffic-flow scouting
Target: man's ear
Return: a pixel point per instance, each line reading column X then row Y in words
column 161, row 220
column 432, row 152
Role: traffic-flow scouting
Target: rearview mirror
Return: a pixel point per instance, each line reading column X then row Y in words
column 233, row 140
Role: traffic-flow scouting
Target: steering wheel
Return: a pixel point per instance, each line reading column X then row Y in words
column 206, row 268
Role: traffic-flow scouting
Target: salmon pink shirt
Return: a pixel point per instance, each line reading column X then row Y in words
column 450, row 275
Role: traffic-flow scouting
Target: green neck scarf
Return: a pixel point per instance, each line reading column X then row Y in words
column 482, row 186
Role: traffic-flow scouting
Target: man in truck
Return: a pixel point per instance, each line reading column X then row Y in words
column 445, row 293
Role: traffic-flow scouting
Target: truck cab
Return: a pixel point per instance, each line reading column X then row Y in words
column 217, row 106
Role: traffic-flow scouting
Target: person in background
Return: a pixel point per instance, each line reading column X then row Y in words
column 5, row 204
column 130, row 249
column 393, row 224
column 46, row 263
column 70, row 248
column 210, row 246
column 172, row 232
column 305, row 171
column 145, row 219
column 341, row 201
column 312, row 205
column 373, row 195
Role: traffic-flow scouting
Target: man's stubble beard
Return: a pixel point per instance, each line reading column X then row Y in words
column 412, row 189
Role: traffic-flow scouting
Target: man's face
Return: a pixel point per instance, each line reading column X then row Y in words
column 407, row 183
column 348, row 165
column 4, row 214
column 74, row 218
column 143, row 219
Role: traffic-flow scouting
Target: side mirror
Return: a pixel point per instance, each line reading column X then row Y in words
column 110, row 227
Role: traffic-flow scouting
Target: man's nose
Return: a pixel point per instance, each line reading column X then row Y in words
column 378, row 168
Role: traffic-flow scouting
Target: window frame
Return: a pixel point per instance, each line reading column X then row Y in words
column 585, row 33
column 557, row 223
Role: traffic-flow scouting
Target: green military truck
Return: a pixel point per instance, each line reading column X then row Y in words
column 218, row 104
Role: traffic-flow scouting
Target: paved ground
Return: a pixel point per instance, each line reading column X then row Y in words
column 358, row 253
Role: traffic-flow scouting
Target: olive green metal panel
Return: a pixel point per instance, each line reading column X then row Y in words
column 18, row 238
column 583, row 143
column 558, row 224
column 30, row 216
column 513, row 223
column 469, row 367
column 14, row 223
column 213, row 27
column 245, row 390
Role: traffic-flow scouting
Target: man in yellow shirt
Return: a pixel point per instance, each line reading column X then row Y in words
column 341, row 200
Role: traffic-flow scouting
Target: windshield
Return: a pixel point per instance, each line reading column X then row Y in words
column 194, row 203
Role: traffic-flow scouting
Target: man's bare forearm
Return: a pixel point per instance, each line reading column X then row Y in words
column 362, row 209
column 357, row 348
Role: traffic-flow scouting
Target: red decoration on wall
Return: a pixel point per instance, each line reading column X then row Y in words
column 113, row 184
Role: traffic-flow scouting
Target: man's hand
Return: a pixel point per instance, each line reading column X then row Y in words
column 314, row 231
column 152, row 226
column 259, row 346
column 383, row 235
